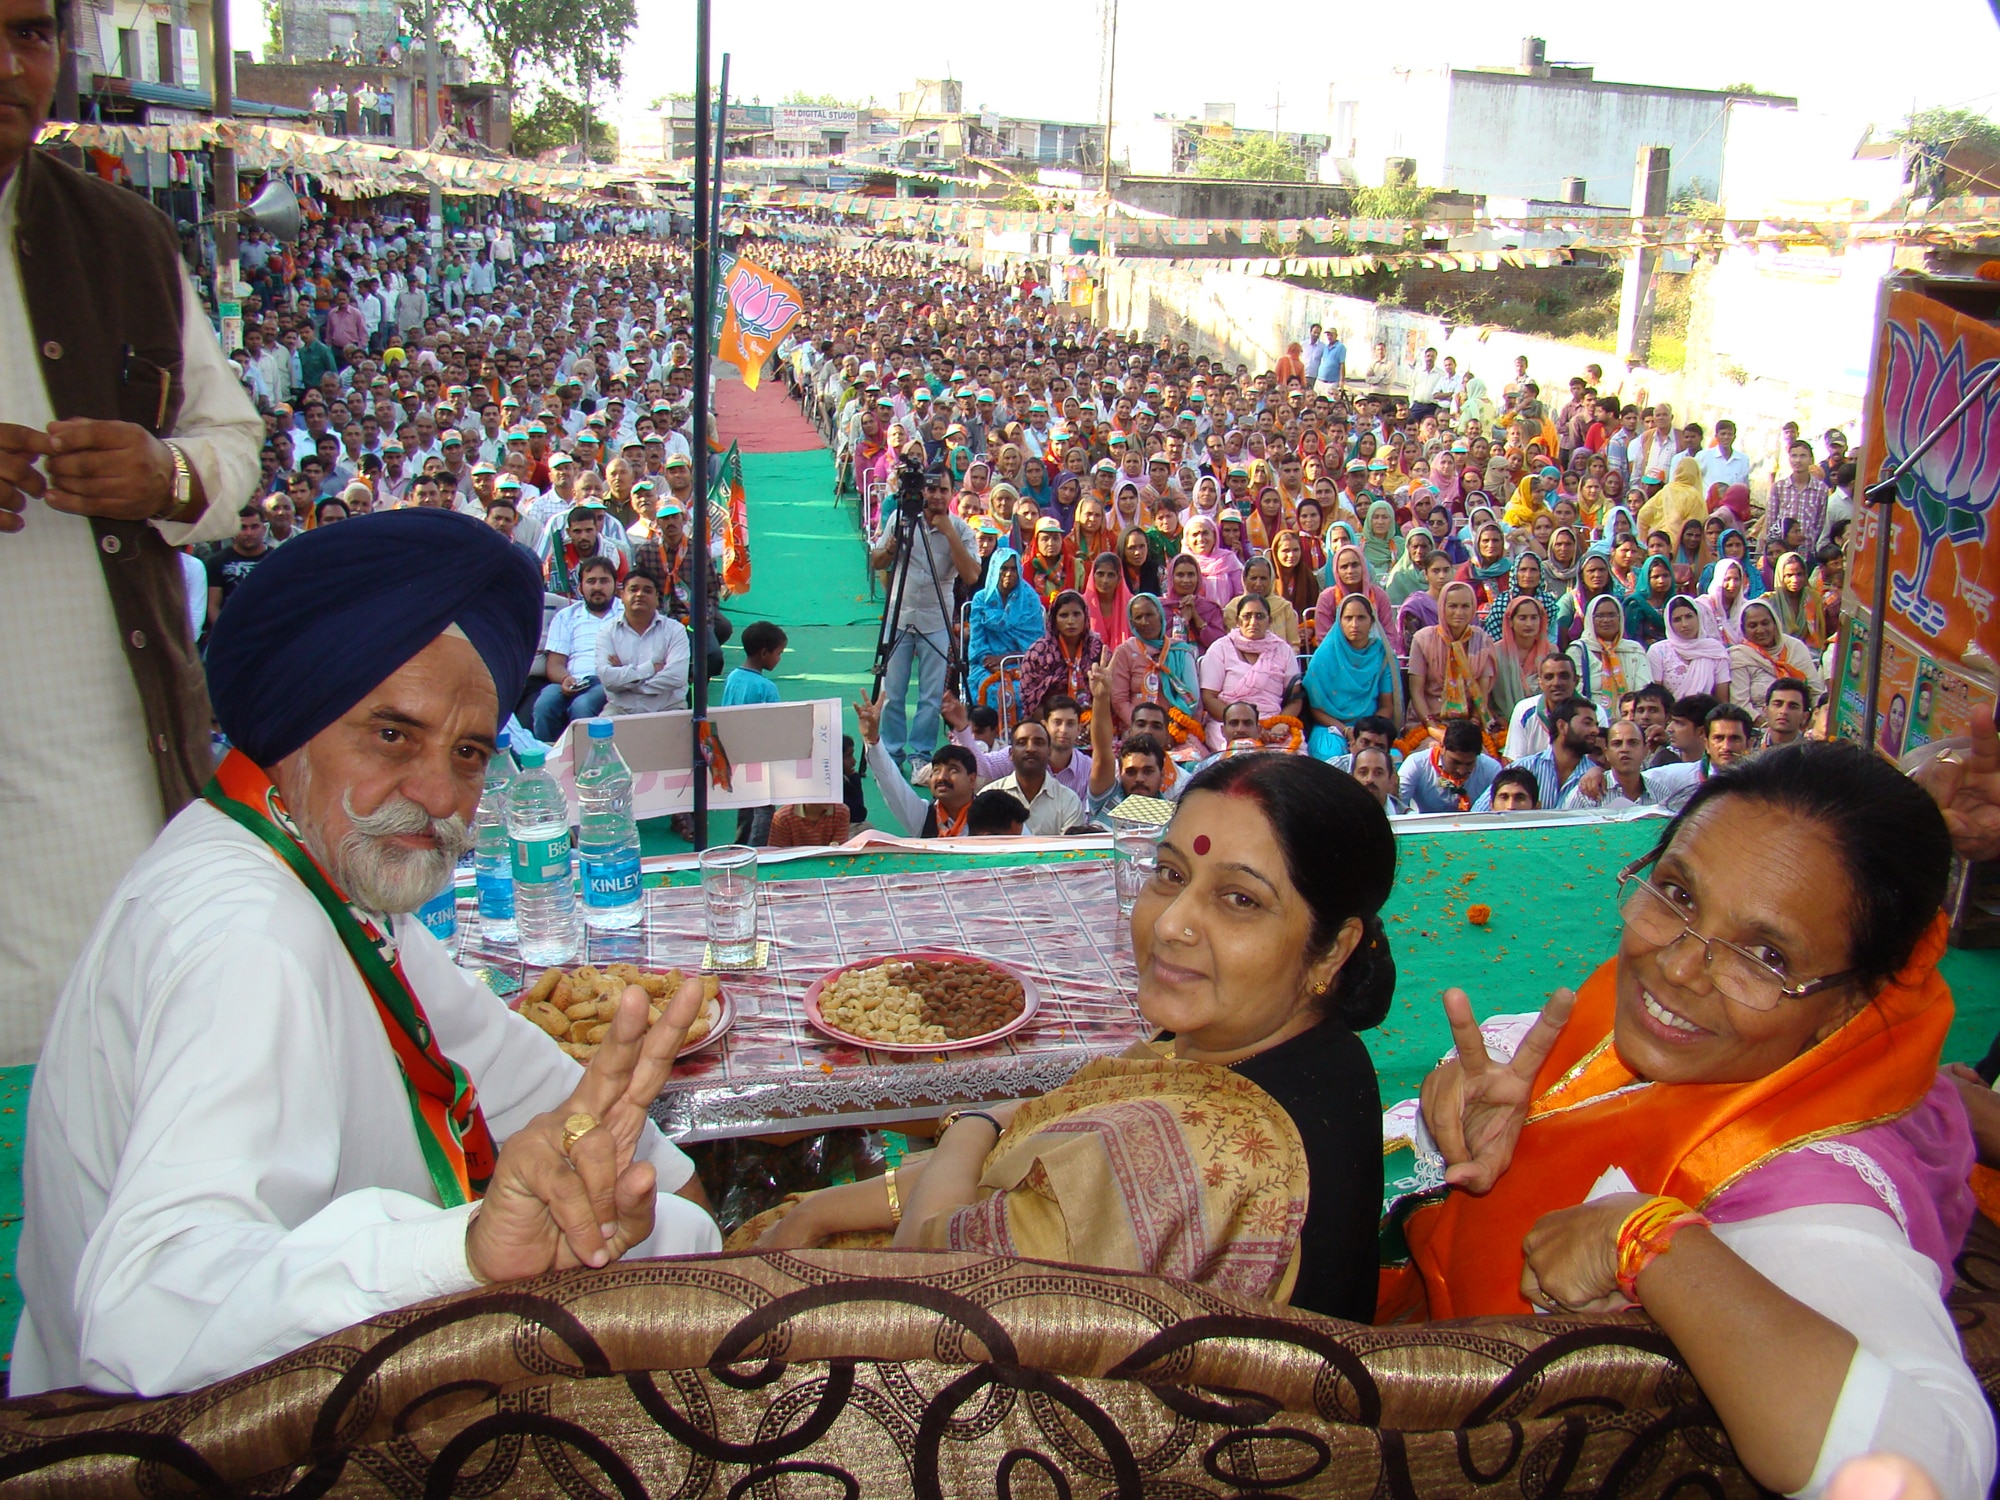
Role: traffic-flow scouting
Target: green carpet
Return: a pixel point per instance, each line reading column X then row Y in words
column 807, row 574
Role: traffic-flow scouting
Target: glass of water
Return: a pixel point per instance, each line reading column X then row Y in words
column 1134, row 849
column 729, row 903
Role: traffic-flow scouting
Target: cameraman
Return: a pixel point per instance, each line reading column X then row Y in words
column 941, row 551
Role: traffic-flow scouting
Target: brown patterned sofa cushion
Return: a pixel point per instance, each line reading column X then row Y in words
column 915, row 1374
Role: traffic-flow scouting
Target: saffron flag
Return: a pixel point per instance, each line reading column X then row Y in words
column 729, row 518
column 757, row 307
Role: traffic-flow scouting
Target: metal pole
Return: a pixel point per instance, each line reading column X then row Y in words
column 702, row 303
column 1882, row 496
column 228, row 310
column 1110, row 91
column 433, row 119
column 715, row 192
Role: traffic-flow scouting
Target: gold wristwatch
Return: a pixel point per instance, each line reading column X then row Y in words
column 183, row 489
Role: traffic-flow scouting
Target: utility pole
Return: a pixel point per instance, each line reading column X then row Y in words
column 1635, row 294
column 228, row 309
column 702, row 303
column 1277, row 113
column 1110, row 94
column 433, row 119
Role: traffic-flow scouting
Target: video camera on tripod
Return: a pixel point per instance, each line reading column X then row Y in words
column 911, row 532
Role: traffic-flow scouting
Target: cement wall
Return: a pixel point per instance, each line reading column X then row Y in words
column 1219, row 198
column 1249, row 320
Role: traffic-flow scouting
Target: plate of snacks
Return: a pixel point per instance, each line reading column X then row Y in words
column 928, row 1000
column 575, row 1006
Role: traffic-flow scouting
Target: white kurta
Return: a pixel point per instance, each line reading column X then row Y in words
column 79, row 799
column 221, row 1163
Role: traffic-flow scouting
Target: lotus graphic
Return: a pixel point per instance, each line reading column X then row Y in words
column 1952, row 487
column 761, row 309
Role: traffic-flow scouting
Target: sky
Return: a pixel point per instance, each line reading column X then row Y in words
column 1853, row 63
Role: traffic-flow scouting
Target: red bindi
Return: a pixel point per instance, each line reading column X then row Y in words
column 1201, row 843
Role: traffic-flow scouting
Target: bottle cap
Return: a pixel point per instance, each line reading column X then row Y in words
column 600, row 729
column 500, row 740
column 531, row 760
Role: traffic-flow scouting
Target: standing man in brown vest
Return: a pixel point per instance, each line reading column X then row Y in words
column 123, row 434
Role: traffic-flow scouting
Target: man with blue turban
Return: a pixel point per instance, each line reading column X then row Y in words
column 270, row 1105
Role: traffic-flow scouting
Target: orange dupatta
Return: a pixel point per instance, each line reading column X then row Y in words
column 1689, row 1141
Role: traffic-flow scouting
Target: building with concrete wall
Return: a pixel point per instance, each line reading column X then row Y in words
column 1528, row 132
column 312, row 30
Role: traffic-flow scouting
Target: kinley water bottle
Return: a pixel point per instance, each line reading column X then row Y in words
column 607, row 838
column 544, row 897
column 493, row 859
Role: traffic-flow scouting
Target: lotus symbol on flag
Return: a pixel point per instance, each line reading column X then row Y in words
column 1952, row 488
column 761, row 308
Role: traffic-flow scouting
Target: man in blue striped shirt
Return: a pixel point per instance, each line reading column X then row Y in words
column 1558, row 769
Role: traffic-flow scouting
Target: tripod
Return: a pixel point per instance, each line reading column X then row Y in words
column 910, row 532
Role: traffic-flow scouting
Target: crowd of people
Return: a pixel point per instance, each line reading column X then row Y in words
column 1428, row 588
column 1291, row 606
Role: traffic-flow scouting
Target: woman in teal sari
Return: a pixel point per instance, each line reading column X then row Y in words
column 1646, row 609
column 1351, row 676
column 1379, row 546
column 1407, row 576
column 1007, row 618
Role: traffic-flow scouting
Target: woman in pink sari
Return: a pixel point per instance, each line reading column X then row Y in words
column 1691, row 658
column 1221, row 569
column 1349, row 571
column 1107, row 599
column 1249, row 665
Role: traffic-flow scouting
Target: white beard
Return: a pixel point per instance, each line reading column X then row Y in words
column 375, row 873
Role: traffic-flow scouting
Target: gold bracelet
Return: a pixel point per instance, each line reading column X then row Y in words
column 895, row 1198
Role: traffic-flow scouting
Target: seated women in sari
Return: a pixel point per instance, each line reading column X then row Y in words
column 1051, row 567
column 1691, row 659
column 1796, row 602
column 1220, row 570
column 1421, row 609
column 1260, row 578
column 1006, row 620
column 1406, row 576
column 1766, row 655
column 1763, row 1054
column 1724, row 600
column 1142, row 567
column 1608, row 664
column 1151, row 667
column 1524, row 640
column 1352, row 675
column 1487, row 569
column 1105, row 593
column 1646, row 609
column 1200, row 616
column 1733, row 544
column 1592, row 579
column 1347, row 574
column 1059, row 662
column 1292, row 580
column 1260, row 955
column 1525, row 579
column 1451, row 664
column 1250, row 665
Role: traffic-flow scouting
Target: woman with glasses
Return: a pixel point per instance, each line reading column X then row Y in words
column 1738, row 1124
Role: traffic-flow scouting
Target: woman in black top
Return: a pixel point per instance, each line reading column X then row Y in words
column 1243, row 1149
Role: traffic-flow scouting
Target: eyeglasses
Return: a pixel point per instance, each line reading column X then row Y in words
column 1663, row 918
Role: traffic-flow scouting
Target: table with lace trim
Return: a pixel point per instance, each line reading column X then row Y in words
column 773, row 1072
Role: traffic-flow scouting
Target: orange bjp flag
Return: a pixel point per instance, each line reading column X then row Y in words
column 758, row 306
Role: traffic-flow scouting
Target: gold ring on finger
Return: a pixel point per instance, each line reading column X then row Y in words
column 575, row 1128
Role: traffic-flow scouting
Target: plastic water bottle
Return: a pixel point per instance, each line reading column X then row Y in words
column 493, row 860
column 538, row 835
column 440, row 913
column 607, row 837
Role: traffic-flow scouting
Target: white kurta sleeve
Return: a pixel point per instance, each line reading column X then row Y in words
column 224, row 1242
column 1908, row 1390
column 519, row 1070
column 218, row 428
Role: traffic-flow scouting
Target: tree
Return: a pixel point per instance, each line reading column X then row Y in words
column 1751, row 91
column 1254, row 158
column 1394, row 201
column 511, row 31
column 818, row 101
column 1939, row 130
column 556, row 121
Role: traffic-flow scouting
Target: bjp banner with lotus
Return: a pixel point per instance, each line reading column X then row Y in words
column 757, row 307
